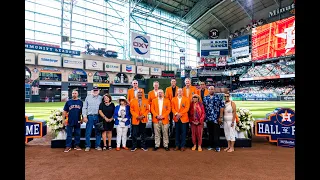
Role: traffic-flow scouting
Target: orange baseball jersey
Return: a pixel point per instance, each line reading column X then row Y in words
column 183, row 110
column 166, row 109
column 206, row 92
column 139, row 111
column 131, row 96
column 169, row 93
column 192, row 90
column 151, row 96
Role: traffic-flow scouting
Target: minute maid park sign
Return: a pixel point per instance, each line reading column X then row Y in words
column 280, row 127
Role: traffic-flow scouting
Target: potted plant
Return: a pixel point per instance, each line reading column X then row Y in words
column 244, row 123
column 56, row 125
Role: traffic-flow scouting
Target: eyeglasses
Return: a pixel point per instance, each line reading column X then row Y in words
column 226, row 96
column 135, row 83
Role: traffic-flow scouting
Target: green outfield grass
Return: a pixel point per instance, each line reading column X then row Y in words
column 259, row 108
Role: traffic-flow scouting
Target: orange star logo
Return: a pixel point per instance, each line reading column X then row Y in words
column 286, row 116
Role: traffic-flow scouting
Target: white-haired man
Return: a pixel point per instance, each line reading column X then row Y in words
column 152, row 95
column 90, row 117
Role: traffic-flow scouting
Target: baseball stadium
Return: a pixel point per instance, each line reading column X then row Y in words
column 160, row 89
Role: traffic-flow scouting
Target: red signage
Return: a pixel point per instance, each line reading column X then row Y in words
column 167, row 74
column 42, row 44
column 273, row 40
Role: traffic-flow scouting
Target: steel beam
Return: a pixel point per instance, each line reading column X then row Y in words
column 205, row 14
column 219, row 21
column 244, row 9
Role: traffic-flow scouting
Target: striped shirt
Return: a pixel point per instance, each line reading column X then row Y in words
column 91, row 105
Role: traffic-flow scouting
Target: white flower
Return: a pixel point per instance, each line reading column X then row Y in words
column 237, row 128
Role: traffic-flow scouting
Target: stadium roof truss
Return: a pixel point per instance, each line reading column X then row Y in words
column 199, row 16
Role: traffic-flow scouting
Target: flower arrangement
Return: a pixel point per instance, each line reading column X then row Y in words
column 55, row 121
column 245, row 121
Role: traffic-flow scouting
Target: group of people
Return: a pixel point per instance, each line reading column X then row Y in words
column 188, row 107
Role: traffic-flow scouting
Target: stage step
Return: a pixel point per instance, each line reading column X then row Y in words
column 58, row 143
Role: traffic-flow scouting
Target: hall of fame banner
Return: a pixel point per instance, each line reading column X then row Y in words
column 279, row 128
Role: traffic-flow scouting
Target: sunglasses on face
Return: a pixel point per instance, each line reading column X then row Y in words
column 135, row 83
column 226, row 96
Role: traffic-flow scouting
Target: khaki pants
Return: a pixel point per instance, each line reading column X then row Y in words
column 158, row 127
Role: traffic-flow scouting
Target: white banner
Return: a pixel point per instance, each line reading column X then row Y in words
column 143, row 70
column 120, row 90
column 213, row 44
column 30, row 58
column 128, row 68
column 243, row 51
column 155, row 71
column 50, row 83
column 49, row 60
column 72, row 63
column 112, row 67
column 140, row 45
column 94, row 65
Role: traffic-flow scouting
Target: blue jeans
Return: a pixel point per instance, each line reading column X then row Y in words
column 181, row 132
column 92, row 120
column 77, row 130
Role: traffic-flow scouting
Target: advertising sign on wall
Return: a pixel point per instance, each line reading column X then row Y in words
column 143, row 70
column 111, row 67
column 94, row 65
column 280, row 127
column 72, row 63
column 243, row 51
column 221, row 60
column 240, row 42
column 118, row 90
column 50, row 83
column 128, row 68
column 140, row 45
column 49, row 60
column 64, row 96
column 155, row 71
column 30, row 58
column 273, row 40
column 50, row 49
column 209, row 45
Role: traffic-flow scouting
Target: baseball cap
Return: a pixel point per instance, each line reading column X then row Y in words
column 95, row 88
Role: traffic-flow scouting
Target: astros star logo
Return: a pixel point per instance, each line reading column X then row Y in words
column 289, row 35
column 286, row 116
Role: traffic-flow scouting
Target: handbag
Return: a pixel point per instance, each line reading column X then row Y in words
column 99, row 126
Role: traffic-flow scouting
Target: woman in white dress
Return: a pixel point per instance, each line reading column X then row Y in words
column 229, row 116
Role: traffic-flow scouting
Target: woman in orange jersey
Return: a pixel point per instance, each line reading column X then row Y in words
column 196, row 118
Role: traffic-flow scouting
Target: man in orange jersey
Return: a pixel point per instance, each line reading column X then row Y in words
column 139, row 109
column 189, row 90
column 180, row 107
column 171, row 92
column 133, row 92
column 203, row 90
column 160, row 109
column 151, row 95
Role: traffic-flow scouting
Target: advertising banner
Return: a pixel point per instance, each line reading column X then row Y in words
column 279, row 127
column 128, row 68
column 240, row 42
column 273, row 40
column 50, row 83
column 117, row 90
column 94, row 65
column 155, row 71
column 287, row 98
column 64, row 96
column 243, row 51
column 193, row 73
column 140, row 45
column 49, row 60
column 209, row 46
column 111, row 67
column 50, row 49
column 143, row 70
column 30, row 58
column 72, row 63
column 221, row 60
